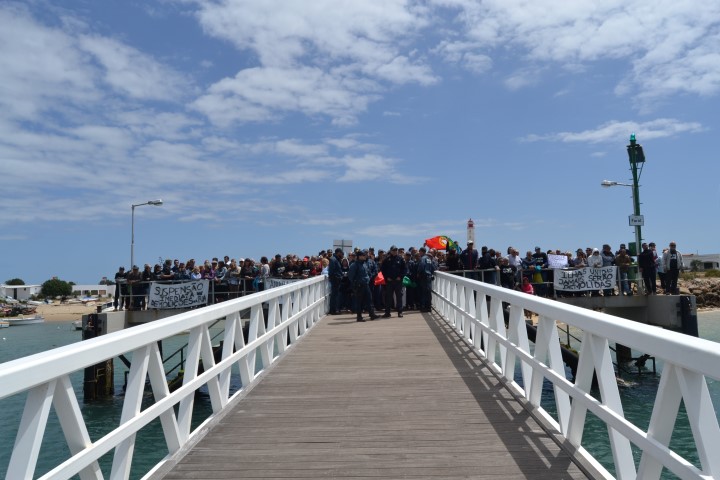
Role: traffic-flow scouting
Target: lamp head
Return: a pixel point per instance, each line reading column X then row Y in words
column 608, row 183
column 157, row 202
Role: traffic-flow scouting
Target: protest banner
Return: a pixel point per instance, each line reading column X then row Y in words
column 585, row 279
column 557, row 261
column 178, row 295
column 278, row 282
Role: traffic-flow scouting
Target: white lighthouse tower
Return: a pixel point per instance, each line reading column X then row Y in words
column 471, row 231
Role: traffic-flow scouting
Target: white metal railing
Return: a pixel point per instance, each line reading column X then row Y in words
column 475, row 310
column 292, row 310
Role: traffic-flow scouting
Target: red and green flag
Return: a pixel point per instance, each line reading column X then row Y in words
column 442, row 242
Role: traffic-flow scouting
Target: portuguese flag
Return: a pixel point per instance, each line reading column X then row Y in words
column 442, row 242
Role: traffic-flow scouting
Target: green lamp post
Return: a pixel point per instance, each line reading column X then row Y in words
column 637, row 158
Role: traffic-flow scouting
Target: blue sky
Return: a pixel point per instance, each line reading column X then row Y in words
column 279, row 126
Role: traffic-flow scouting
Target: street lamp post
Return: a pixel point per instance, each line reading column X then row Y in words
column 610, row 183
column 156, row 203
column 636, row 156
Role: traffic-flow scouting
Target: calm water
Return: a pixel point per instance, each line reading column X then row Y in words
column 103, row 416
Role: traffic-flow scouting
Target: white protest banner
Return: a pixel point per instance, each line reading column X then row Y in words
column 557, row 261
column 278, row 282
column 178, row 295
column 585, row 279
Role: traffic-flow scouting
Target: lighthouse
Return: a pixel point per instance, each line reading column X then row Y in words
column 471, row 231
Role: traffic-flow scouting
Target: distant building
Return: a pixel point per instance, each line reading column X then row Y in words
column 707, row 262
column 87, row 290
column 19, row 292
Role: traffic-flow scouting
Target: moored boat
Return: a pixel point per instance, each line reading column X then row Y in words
column 4, row 324
column 24, row 320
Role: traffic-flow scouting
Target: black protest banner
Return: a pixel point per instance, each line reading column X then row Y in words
column 178, row 295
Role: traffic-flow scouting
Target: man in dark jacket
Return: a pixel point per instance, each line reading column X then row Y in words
column 393, row 269
column 335, row 275
column 425, row 271
column 646, row 263
column 120, row 279
column 360, row 281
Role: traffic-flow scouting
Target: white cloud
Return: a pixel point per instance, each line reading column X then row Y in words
column 260, row 94
column 466, row 54
column 40, row 67
column 132, row 72
column 611, row 131
column 523, row 78
column 670, row 46
column 296, row 148
column 327, row 57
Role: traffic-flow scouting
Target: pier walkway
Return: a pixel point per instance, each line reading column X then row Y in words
column 467, row 391
column 391, row 398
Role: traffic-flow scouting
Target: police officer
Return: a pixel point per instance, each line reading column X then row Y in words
column 393, row 269
column 335, row 275
column 425, row 271
column 360, row 281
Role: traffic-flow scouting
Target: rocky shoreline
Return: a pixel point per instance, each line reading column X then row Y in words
column 706, row 291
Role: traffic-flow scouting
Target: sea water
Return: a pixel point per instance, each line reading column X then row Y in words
column 102, row 416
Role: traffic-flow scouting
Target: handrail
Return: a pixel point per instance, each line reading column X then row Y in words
column 634, row 278
column 292, row 310
column 475, row 311
column 180, row 350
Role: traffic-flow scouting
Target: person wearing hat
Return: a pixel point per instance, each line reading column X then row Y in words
column 120, row 278
column 540, row 276
column 393, row 269
column 595, row 261
column 360, row 281
column 425, row 270
column 134, row 288
column 335, row 275
column 608, row 258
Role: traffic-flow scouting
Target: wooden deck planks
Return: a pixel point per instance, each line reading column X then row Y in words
column 393, row 398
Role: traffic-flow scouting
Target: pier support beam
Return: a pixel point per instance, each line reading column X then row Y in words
column 99, row 381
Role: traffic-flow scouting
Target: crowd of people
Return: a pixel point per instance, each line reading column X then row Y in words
column 399, row 279
column 533, row 272
column 366, row 282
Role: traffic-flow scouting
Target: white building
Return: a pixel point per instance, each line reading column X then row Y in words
column 100, row 290
column 707, row 262
column 19, row 292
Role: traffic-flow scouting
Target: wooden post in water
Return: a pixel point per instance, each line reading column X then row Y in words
column 99, row 379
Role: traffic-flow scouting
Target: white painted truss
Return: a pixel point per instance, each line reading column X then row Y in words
column 292, row 310
column 478, row 312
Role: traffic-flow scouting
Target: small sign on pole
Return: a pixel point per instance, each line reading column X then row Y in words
column 636, row 220
column 345, row 245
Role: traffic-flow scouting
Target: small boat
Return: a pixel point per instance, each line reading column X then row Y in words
column 4, row 324
column 77, row 324
column 24, row 320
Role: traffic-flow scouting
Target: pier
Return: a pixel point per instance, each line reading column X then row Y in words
column 456, row 393
column 392, row 398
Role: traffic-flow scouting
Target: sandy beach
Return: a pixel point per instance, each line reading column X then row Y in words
column 57, row 312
